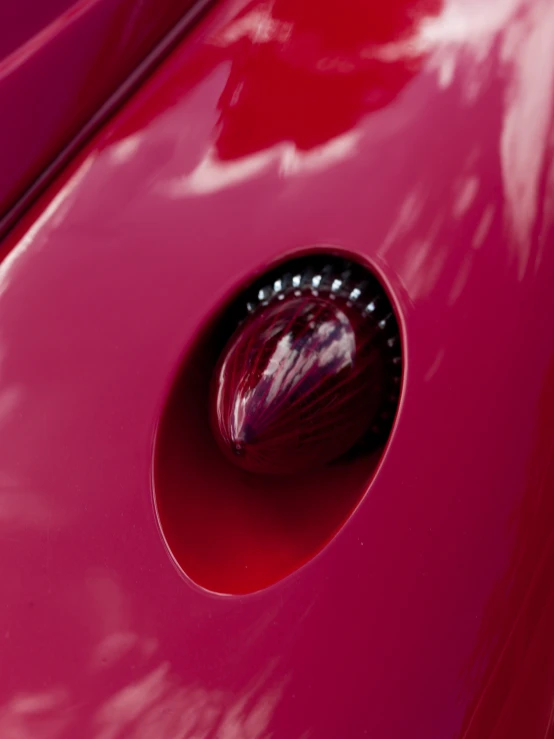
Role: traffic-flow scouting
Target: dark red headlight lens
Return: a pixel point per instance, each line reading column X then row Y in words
column 305, row 376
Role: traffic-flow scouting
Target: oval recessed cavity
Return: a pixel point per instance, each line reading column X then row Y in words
column 277, row 422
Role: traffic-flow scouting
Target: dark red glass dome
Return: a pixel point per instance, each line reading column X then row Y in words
column 305, row 376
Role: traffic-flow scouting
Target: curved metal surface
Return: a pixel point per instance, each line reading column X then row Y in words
column 60, row 60
column 423, row 145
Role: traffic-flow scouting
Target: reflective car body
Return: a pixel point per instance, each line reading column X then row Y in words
column 417, row 136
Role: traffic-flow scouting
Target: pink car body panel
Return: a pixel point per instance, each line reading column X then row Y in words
column 418, row 137
column 59, row 62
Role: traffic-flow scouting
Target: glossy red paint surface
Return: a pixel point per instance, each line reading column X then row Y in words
column 59, row 61
column 232, row 532
column 430, row 614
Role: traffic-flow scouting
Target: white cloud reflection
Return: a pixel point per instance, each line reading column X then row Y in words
column 155, row 705
column 213, row 174
column 523, row 30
